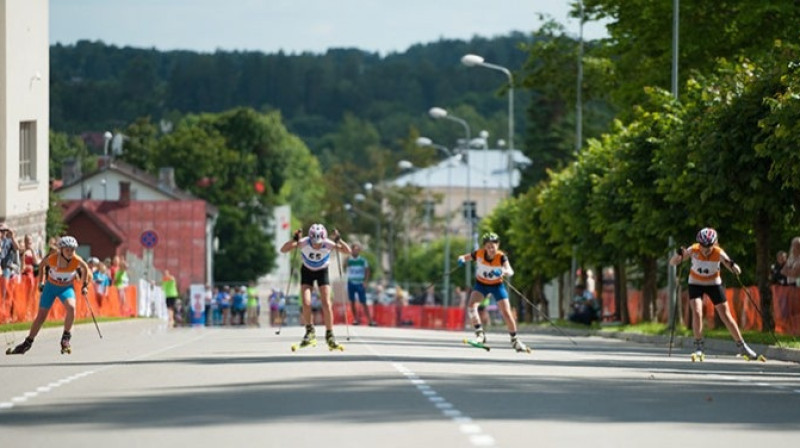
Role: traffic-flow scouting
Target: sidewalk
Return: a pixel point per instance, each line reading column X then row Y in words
column 726, row 346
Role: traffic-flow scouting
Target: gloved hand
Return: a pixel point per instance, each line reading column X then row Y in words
column 461, row 261
column 85, row 290
column 336, row 236
column 297, row 234
column 498, row 272
column 41, row 287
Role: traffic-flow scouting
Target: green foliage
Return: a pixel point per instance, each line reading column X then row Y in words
column 63, row 147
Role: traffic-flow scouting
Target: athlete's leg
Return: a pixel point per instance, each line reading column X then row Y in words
column 696, row 306
column 69, row 318
column 475, row 298
column 351, row 296
column 41, row 316
column 725, row 315
column 305, row 297
column 508, row 315
column 327, row 306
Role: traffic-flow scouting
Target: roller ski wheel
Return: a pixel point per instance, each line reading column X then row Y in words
column 304, row 344
column 333, row 345
column 761, row 358
column 66, row 348
column 698, row 357
column 519, row 346
column 21, row 348
column 331, row 341
column 476, row 344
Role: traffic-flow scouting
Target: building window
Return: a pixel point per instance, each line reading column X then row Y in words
column 27, row 151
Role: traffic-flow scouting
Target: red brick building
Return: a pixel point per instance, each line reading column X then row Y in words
column 180, row 226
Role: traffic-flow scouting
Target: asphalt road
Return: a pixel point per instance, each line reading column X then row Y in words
column 143, row 385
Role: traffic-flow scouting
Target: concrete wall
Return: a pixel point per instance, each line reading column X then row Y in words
column 24, row 96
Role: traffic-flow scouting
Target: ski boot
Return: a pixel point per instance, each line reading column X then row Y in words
column 309, row 339
column 697, row 354
column 519, row 346
column 748, row 354
column 332, row 344
column 65, row 347
column 480, row 336
column 21, row 348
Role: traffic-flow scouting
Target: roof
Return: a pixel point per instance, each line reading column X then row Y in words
column 141, row 176
column 484, row 168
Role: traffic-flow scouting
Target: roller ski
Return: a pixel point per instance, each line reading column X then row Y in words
column 519, row 346
column 477, row 344
column 748, row 354
column 65, row 346
column 332, row 344
column 697, row 354
column 309, row 339
column 21, row 348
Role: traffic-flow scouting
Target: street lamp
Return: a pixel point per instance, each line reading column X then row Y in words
column 426, row 142
column 107, row 136
column 473, row 60
column 439, row 113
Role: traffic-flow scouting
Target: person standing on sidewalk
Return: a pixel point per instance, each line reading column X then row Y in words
column 357, row 278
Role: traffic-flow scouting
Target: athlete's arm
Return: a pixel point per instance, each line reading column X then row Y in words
column 508, row 271
column 729, row 263
column 343, row 247
column 679, row 257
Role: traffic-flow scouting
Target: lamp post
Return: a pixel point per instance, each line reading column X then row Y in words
column 439, row 113
column 426, row 142
column 358, row 197
column 473, row 60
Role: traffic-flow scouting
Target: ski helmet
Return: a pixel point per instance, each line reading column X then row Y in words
column 317, row 233
column 707, row 237
column 490, row 237
column 68, row 241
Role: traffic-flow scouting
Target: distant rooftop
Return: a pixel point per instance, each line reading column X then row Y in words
column 485, row 168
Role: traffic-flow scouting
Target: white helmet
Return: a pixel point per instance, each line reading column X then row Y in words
column 68, row 241
column 317, row 233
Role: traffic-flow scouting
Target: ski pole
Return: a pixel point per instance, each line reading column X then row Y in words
column 675, row 308
column 747, row 293
column 92, row 313
column 344, row 300
column 288, row 285
column 541, row 313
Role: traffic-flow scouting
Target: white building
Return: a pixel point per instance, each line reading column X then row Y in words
column 25, row 119
column 481, row 179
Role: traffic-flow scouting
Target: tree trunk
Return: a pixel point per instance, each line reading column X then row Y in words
column 621, row 293
column 649, row 288
column 763, row 228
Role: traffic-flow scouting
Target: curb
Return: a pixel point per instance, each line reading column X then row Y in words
column 715, row 345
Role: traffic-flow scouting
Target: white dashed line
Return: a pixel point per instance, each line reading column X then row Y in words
column 476, row 435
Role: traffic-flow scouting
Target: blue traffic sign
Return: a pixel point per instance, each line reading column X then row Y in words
column 149, row 239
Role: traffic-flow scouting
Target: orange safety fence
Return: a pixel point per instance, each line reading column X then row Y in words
column 785, row 307
column 19, row 302
column 415, row 316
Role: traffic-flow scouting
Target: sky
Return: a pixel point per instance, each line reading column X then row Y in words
column 297, row 26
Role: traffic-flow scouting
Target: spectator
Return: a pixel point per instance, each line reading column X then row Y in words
column 792, row 267
column 253, row 306
column 216, row 309
column 239, row 305
column 30, row 259
column 224, row 303
column 121, row 283
column 9, row 251
column 101, row 279
column 358, row 276
column 170, row 287
column 776, row 276
column 585, row 309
